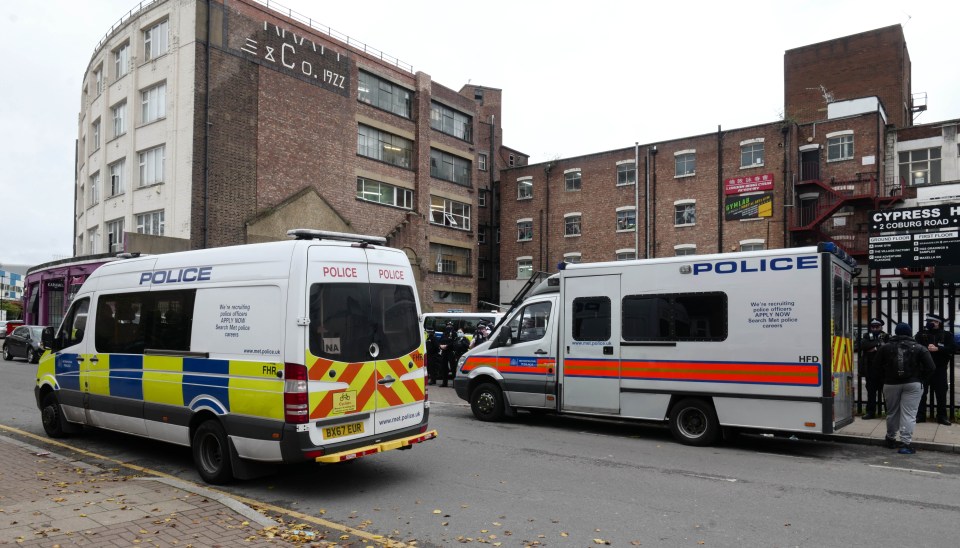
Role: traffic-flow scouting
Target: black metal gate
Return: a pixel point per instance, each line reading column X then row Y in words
column 908, row 303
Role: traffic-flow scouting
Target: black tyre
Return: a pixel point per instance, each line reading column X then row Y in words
column 32, row 356
column 211, row 453
column 6, row 353
column 486, row 402
column 52, row 416
column 694, row 422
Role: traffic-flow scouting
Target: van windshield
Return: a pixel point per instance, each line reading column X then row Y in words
column 345, row 319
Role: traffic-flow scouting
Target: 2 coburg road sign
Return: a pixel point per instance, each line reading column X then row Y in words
column 925, row 242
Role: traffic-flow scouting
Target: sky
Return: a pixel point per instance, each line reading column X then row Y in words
column 577, row 77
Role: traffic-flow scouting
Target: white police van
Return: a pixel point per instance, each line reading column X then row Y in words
column 304, row 350
column 759, row 340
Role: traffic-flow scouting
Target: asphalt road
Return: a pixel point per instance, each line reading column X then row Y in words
column 561, row 481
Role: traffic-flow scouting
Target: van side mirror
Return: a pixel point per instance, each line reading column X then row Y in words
column 503, row 337
column 48, row 341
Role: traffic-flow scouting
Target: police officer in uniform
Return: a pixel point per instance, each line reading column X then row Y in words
column 941, row 346
column 433, row 357
column 870, row 343
column 447, row 351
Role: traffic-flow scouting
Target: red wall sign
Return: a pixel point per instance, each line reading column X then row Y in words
column 750, row 183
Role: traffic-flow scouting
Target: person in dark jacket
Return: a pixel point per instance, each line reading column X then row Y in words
column 904, row 363
column 481, row 334
column 447, row 349
column 942, row 347
column 433, row 357
column 870, row 344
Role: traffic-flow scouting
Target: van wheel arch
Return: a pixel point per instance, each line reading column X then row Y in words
column 487, row 400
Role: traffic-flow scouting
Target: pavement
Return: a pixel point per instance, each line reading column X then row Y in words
column 52, row 500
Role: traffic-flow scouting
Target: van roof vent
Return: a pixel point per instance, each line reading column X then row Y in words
column 311, row 234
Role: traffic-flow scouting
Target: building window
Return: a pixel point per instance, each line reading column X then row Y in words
column 153, row 103
column 751, row 154
column 524, row 268
column 571, row 224
column 98, row 79
column 686, row 163
column 481, row 234
column 840, row 147
column 482, row 162
column 150, row 223
column 446, row 120
column 572, row 258
column 95, row 134
column 115, row 236
column 446, row 212
column 119, row 119
column 511, row 160
column 383, row 146
column 121, row 60
column 752, row 245
column 626, row 173
column 685, row 249
column 449, row 259
column 93, row 241
column 451, row 297
column 572, row 180
column 919, row 167
column 151, row 165
column 94, row 190
column 482, row 198
column 525, row 188
column 116, row 178
column 626, row 254
column 684, row 213
column 382, row 94
column 482, row 270
column 449, row 167
column 626, row 219
column 155, row 40
column 382, row 193
column 524, row 230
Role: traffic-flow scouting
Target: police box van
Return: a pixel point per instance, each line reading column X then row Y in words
column 754, row 340
column 302, row 350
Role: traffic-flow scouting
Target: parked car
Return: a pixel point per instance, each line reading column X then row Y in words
column 24, row 342
column 7, row 326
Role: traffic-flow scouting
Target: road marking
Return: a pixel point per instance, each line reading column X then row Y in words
column 715, row 478
column 910, row 470
column 379, row 539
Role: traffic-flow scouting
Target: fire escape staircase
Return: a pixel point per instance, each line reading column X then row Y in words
column 811, row 219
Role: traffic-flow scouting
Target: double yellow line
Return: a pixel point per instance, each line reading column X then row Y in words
column 378, row 539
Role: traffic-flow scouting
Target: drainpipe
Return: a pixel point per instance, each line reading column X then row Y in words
column 206, row 136
column 636, row 203
column 787, row 178
column 719, row 190
column 544, row 228
column 491, row 235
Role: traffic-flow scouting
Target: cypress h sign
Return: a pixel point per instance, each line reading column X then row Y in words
column 923, row 245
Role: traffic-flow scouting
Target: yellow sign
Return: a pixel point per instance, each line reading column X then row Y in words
column 345, row 402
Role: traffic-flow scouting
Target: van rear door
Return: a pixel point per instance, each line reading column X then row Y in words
column 841, row 338
column 364, row 356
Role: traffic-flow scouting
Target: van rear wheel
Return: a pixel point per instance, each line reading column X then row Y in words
column 486, row 402
column 211, row 453
column 693, row 422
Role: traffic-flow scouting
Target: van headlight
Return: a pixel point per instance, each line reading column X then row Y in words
column 461, row 361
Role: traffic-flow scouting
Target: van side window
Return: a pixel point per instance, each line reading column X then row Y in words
column 74, row 324
column 591, row 319
column 675, row 317
column 130, row 323
column 530, row 324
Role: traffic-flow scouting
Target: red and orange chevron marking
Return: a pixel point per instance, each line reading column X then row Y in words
column 361, row 378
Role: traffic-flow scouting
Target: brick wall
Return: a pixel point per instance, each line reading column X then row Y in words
column 874, row 63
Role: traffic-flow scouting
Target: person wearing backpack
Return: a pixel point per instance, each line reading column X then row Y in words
column 905, row 364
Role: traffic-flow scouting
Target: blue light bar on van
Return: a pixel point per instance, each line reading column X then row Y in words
column 831, row 247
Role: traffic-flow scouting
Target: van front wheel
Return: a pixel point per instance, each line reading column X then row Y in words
column 52, row 416
column 211, row 453
column 486, row 402
column 693, row 422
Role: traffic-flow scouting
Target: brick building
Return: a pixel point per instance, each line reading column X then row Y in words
column 846, row 145
column 200, row 129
